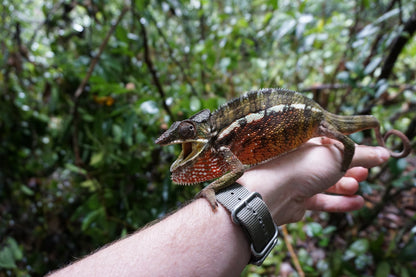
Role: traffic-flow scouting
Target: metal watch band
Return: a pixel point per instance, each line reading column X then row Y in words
column 251, row 213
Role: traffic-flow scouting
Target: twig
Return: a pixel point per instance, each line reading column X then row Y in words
column 172, row 57
column 347, row 86
column 379, row 37
column 397, row 47
column 408, row 31
column 152, row 70
column 202, row 37
column 292, row 252
column 80, row 89
column 94, row 61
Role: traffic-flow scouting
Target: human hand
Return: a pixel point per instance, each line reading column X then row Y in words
column 302, row 179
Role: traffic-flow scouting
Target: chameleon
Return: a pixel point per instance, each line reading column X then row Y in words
column 255, row 128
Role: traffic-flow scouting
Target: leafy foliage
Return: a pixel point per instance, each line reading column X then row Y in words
column 86, row 87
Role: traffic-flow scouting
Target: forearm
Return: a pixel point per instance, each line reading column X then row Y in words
column 191, row 242
column 194, row 241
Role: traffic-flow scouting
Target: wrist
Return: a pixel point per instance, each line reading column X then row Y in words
column 284, row 202
column 249, row 211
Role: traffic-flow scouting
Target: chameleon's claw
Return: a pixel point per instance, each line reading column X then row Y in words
column 209, row 195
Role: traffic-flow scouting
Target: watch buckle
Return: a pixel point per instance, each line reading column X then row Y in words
column 257, row 258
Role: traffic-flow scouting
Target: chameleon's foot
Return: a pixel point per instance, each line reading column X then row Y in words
column 209, row 195
column 345, row 164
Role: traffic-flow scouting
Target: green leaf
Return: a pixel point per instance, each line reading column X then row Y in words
column 356, row 249
column 372, row 65
column 404, row 272
column 26, row 190
column 343, row 76
column 362, row 261
column 314, row 229
column 90, row 184
column 383, row 269
column 382, row 86
column 17, row 253
column 286, row 28
column 6, row 258
column 75, row 169
column 142, row 4
column 86, row 116
column 195, row 104
column 365, row 3
column 117, row 133
column 387, row 15
column 10, row 254
column 91, row 217
column 149, row 107
column 368, row 31
column 408, row 253
column 96, row 158
column 359, row 246
column 329, row 229
column 225, row 63
column 267, row 17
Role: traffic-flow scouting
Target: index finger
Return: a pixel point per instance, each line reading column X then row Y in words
column 369, row 156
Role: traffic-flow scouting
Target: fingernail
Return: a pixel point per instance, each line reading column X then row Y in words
column 383, row 153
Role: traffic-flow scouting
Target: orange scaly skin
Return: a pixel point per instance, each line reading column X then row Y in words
column 253, row 129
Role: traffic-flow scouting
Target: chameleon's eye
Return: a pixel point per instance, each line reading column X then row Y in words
column 186, row 130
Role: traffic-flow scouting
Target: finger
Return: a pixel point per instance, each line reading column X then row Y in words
column 365, row 156
column 349, row 184
column 345, row 186
column 369, row 156
column 326, row 140
column 334, row 203
column 359, row 173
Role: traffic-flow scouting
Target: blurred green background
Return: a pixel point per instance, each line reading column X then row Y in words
column 86, row 87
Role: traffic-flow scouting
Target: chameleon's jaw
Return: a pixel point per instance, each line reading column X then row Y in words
column 190, row 150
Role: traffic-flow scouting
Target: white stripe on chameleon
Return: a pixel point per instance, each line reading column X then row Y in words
column 298, row 106
column 259, row 115
column 279, row 108
column 237, row 124
column 253, row 117
column 229, row 129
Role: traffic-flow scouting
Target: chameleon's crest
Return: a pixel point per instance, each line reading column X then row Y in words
column 192, row 133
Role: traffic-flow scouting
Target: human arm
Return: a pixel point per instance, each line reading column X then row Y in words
column 196, row 241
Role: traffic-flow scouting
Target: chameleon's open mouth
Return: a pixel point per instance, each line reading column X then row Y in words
column 190, row 150
column 186, row 149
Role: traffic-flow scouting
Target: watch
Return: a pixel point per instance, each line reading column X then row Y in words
column 250, row 212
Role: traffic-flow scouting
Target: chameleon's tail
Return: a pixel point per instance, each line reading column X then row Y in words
column 351, row 124
column 406, row 143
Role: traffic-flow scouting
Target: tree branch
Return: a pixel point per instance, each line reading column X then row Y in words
column 94, row 61
column 152, row 69
column 292, row 252
column 172, row 57
column 80, row 89
column 347, row 86
column 379, row 37
column 408, row 31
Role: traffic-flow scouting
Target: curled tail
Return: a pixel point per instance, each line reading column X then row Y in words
column 351, row 124
column 405, row 141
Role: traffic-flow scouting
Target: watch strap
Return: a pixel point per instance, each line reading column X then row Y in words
column 250, row 212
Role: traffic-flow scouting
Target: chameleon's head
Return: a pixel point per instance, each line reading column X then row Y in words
column 192, row 133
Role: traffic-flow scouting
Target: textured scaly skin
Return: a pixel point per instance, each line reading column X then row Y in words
column 253, row 129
